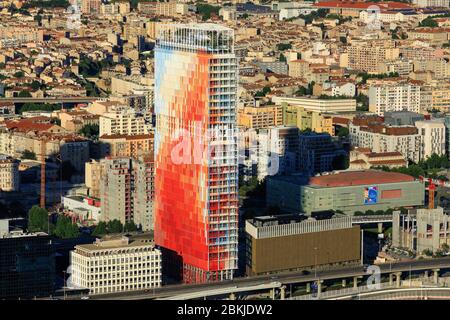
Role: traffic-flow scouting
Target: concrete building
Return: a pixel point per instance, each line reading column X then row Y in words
column 394, row 97
column 91, row 6
column 93, row 176
column 433, row 137
column 380, row 138
column 9, row 174
column 440, row 96
column 122, row 145
column 401, row 66
column 260, row 117
column 369, row 56
column 85, row 210
column 122, row 120
column 115, row 190
column 304, row 119
column 402, row 118
column 364, row 158
column 127, row 190
column 318, row 105
column 349, row 192
column 421, row 229
column 431, row 3
column 117, row 264
column 294, row 242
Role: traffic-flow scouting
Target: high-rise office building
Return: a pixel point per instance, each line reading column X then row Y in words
column 196, row 173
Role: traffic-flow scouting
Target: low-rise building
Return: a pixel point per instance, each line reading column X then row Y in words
column 318, row 105
column 364, row 158
column 84, row 210
column 294, row 242
column 348, row 191
column 117, row 264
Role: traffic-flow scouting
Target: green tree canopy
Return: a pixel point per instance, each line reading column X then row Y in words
column 27, row 154
column 65, row 229
column 115, row 226
column 130, row 226
column 100, row 229
column 90, row 131
column 38, row 220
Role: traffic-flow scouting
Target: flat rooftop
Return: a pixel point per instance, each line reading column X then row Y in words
column 355, row 178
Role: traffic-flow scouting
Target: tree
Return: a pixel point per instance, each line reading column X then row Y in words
column 38, row 220
column 302, row 91
column 263, row 92
column 115, row 226
column 130, row 226
column 24, row 94
column 363, row 102
column 428, row 22
column 35, row 85
column 65, row 229
column 343, row 132
column 284, row 46
column 90, row 131
column 206, row 10
column 100, row 229
column 19, row 74
column 27, row 154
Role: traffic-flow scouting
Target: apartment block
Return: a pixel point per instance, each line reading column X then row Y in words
column 303, row 119
column 433, row 137
column 122, row 120
column 380, row 138
column 369, row 57
column 127, row 190
column 9, row 174
column 396, row 96
column 122, row 145
column 260, row 117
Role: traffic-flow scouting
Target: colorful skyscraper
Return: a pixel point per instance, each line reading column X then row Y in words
column 196, row 174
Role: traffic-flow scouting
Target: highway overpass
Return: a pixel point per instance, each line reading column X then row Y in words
column 298, row 277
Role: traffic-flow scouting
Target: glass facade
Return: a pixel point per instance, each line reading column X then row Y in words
column 27, row 267
column 196, row 178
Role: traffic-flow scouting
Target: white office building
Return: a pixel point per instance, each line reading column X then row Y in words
column 123, row 263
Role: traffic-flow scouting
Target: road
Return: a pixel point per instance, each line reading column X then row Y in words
column 285, row 278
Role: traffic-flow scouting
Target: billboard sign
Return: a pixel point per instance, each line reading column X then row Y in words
column 371, row 195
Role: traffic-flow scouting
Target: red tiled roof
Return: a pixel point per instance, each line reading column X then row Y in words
column 355, row 178
column 388, row 5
